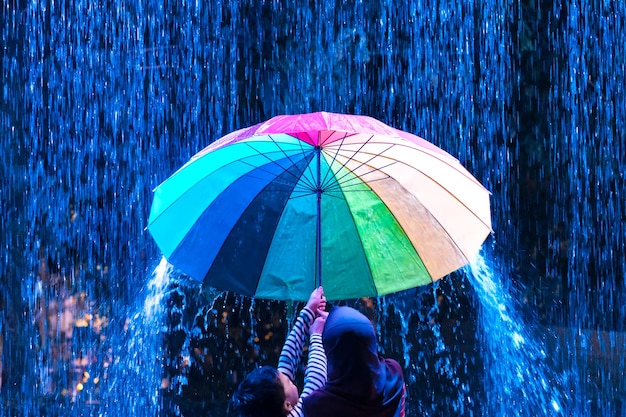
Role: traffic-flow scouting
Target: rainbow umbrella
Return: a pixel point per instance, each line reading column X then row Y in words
column 276, row 209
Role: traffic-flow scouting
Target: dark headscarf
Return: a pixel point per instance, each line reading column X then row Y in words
column 360, row 383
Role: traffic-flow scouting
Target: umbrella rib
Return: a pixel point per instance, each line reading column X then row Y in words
column 429, row 177
column 303, row 190
column 371, row 171
column 338, row 180
column 259, row 168
column 395, row 161
column 328, row 178
column 305, row 179
column 457, row 166
column 347, row 185
column 334, row 181
column 343, row 191
column 264, row 155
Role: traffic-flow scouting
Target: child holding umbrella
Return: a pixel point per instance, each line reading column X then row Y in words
column 269, row 391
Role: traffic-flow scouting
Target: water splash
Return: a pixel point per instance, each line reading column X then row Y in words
column 522, row 379
column 136, row 353
column 156, row 287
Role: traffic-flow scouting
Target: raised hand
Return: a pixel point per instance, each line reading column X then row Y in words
column 318, row 324
column 317, row 302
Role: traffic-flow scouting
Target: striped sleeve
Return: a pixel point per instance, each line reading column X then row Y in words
column 315, row 373
column 292, row 350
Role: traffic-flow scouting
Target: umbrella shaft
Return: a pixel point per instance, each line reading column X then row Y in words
column 318, row 278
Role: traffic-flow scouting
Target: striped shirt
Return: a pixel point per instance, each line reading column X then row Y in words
column 290, row 356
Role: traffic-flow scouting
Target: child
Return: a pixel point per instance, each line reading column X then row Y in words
column 269, row 391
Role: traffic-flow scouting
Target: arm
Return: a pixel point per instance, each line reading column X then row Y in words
column 315, row 373
column 292, row 350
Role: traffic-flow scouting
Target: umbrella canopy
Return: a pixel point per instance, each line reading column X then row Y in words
column 275, row 209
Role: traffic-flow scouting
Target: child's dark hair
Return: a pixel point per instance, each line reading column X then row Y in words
column 260, row 394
